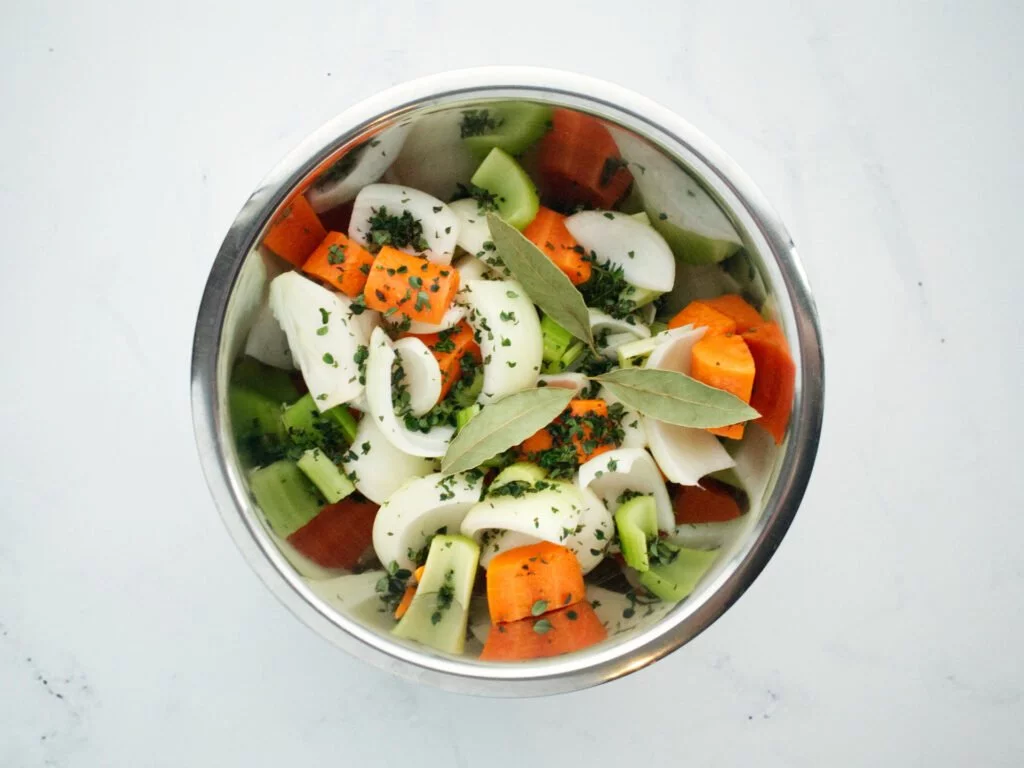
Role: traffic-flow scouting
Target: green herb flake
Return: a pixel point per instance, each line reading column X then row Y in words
column 542, row 627
column 539, row 607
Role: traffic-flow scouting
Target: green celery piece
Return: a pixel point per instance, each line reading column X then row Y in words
column 639, row 296
column 504, row 178
column 642, row 217
column 287, row 498
column 691, row 247
column 637, row 521
column 300, row 419
column 522, row 471
column 439, row 612
column 633, row 350
column 464, row 416
column 275, row 384
column 254, row 414
column 576, row 349
column 325, row 475
column 676, row 580
column 521, row 124
column 657, row 327
column 556, row 339
column 465, row 397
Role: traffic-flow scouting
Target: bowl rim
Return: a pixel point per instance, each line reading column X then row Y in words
column 744, row 203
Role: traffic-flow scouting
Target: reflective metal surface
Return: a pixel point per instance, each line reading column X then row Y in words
column 221, row 326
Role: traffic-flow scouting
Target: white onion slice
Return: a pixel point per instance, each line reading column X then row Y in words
column 755, row 463
column 375, row 157
column 440, row 227
column 422, row 374
column 496, row 542
column 633, row 434
column 417, row 510
column 573, row 381
column 619, row 614
column 473, row 229
column 434, row 157
column 594, row 531
column 614, row 236
column 707, row 535
column 355, row 595
column 685, row 455
column 267, row 342
column 326, row 360
column 378, row 468
column 510, row 336
column 379, row 400
column 549, row 515
column 674, row 353
column 627, row 469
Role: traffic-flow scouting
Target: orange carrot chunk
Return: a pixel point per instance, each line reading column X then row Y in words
column 724, row 362
column 410, row 593
column 548, row 232
column 739, row 311
column 448, row 348
column 562, row 631
column 579, row 431
column 296, row 232
column 775, row 380
column 401, row 285
column 579, row 161
column 714, row 503
column 339, row 535
column 527, row 581
column 699, row 313
column 340, row 263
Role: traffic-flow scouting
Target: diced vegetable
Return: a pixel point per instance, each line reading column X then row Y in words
column 520, row 472
column 637, row 522
column 465, row 415
column 643, row 255
column 774, row 378
column 527, row 581
column 339, row 535
column 615, row 475
column 287, row 499
column 738, row 310
column 407, row 286
column 712, row 503
column 612, row 333
column 340, row 263
column 275, row 384
column 376, row 467
column 303, row 421
column 267, row 343
column 548, row 232
column 474, row 234
column 322, row 472
column 254, row 415
column 360, row 166
column 683, row 454
column 410, row 592
column 448, row 348
column 700, row 314
column 439, row 611
column 510, row 126
column 434, row 158
column 573, row 381
column 675, row 580
column 556, row 340
column 584, row 424
column 405, row 219
column 421, row 374
column 593, row 533
column 514, row 193
column 579, row 162
column 296, row 232
column 414, row 513
column 724, row 362
column 564, row 630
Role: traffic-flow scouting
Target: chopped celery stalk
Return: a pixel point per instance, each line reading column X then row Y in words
column 571, row 355
column 464, row 416
column 494, row 462
column 556, row 339
column 642, row 217
column 271, row 382
column 439, row 611
column 503, row 177
column 523, row 472
column 511, row 126
column 640, row 297
column 303, row 420
column 287, row 498
column 637, row 521
column 346, row 422
column 658, row 327
column 298, row 417
column 325, row 475
column 675, row 580
column 634, row 353
column 466, row 396
column 253, row 414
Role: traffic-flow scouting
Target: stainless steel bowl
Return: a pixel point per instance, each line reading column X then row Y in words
column 236, row 281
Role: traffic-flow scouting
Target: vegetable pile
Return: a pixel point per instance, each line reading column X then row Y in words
column 499, row 427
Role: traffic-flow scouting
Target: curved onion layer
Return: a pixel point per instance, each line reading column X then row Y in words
column 422, row 374
column 593, row 532
column 685, row 455
column 355, row 596
column 380, row 403
column 633, row 433
column 497, row 541
column 473, row 229
column 573, row 381
column 707, row 535
column 510, row 338
column 549, row 515
column 470, row 268
column 376, row 467
column 435, row 158
column 417, row 510
column 375, row 157
column 675, row 351
column 267, row 342
column 643, row 254
column 440, row 227
column 628, row 469
column 611, row 332
column 620, row 614
column 325, row 359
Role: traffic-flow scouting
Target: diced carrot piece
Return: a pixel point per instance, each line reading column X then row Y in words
column 296, row 232
column 733, row 306
column 579, row 161
column 410, row 593
column 775, row 378
column 339, row 535
column 724, row 362
column 698, row 314
column 548, row 232
column 544, row 440
column 561, row 631
column 714, row 503
column 448, row 348
column 410, row 286
column 531, row 579
column 538, row 442
column 340, row 263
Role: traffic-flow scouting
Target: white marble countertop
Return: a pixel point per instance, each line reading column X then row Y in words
column 886, row 631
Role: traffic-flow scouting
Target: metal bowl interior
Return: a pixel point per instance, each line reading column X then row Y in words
column 236, row 287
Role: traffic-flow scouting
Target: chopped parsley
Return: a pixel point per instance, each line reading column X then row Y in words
column 397, row 231
column 478, row 122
